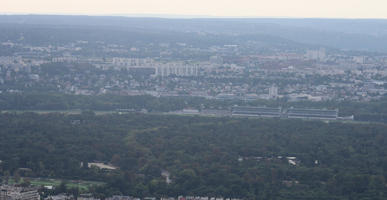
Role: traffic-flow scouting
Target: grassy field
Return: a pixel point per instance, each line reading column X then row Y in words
column 81, row 184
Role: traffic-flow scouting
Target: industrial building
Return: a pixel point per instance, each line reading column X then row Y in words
column 250, row 111
column 312, row 113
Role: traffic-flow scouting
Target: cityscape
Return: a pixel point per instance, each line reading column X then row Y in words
column 314, row 75
column 152, row 108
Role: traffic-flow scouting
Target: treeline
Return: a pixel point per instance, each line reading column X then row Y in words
column 100, row 103
column 204, row 156
column 374, row 111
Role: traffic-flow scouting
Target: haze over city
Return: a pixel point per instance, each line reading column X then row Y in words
column 193, row 99
column 203, row 8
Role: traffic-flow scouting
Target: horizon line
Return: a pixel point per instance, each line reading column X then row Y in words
column 181, row 16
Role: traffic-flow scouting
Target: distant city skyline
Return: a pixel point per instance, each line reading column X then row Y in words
column 202, row 8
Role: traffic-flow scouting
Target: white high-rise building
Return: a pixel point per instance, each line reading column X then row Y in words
column 273, row 92
column 316, row 54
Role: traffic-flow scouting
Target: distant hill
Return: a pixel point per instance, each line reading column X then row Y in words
column 351, row 34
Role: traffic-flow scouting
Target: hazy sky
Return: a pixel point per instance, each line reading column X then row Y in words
column 244, row 8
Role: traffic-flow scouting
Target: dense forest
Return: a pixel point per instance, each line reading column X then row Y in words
column 233, row 157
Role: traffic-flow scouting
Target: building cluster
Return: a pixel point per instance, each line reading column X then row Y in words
column 8, row 192
column 11, row 192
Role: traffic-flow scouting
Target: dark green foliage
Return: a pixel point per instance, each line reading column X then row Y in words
column 201, row 155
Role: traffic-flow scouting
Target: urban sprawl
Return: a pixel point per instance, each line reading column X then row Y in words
column 228, row 72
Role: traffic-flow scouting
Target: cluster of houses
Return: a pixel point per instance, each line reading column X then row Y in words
column 8, row 192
